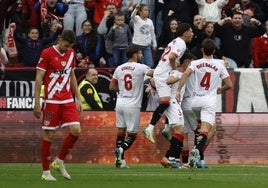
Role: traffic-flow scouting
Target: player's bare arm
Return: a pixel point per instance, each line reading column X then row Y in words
column 150, row 73
column 38, row 83
column 113, row 85
column 227, row 85
column 74, row 89
column 172, row 80
column 172, row 60
column 183, row 80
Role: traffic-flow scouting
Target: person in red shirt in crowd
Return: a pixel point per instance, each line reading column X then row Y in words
column 30, row 12
column 56, row 71
column 259, row 50
column 101, row 7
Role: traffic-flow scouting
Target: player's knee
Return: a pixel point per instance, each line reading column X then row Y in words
column 75, row 130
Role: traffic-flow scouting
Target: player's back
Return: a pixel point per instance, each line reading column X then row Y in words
column 130, row 77
column 177, row 47
column 207, row 74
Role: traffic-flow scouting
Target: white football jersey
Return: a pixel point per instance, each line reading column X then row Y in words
column 130, row 78
column 174, row 86
column 177, row 47
column 207, row 74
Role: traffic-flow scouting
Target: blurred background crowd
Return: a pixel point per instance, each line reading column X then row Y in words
column 104, row 28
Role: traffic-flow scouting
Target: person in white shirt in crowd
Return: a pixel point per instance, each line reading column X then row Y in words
column 144, row 33
column 211, row 10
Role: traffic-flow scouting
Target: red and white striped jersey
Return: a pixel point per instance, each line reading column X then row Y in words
column 57, row 69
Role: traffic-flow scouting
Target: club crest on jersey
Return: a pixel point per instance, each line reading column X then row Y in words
column 46, row 122
column 63, row 63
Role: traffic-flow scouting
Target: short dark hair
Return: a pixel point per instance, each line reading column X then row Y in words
column 69, row 36
column 187, row 55
column 131, row 50
column 208, row 46
column 183, row 27
column 237, row 13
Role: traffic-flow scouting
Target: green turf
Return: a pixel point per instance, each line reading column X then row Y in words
column 137, row 176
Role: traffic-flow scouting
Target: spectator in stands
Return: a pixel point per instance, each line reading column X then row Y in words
column 75, row 15
column 32, row 45
column 248, row 9
column 127, row 8
column 144, row 33
column 260, row 50
column 90, row 9
column 22, row 27
column 87, row 46
column 181, row 10
column 89, row 95
column 158, row 17
column 198, row 23
column 236, row 38
column 3, row 57
column 207, row 32
column 166, row 37
column 101, row 8
column 211, row 10
column 105, row 25
column 265, row 7
column 50, row 10
column 121, row 37
column 30, row 12
column 4, row 12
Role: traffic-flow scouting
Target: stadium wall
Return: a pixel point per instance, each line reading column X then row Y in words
column 240, row 139
column 242, row 124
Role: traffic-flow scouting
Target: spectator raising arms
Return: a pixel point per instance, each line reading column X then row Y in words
column 235, row 45
column 211, row 10
column 49, row 10
column 248, row 9
column 144, row 34
column 33, row 46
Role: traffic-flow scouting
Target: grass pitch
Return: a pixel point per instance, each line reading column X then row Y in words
column 137, row 176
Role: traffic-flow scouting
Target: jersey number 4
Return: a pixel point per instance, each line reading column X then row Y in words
column 205, row 82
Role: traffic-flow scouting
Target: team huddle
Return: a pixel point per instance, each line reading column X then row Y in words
column 182, row 113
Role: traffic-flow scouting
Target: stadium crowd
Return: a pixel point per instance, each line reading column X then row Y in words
column 104, row 28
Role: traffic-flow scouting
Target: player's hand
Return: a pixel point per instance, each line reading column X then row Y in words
column 37, row 111
column 79, row 105
column 178, row 96
column 219, row 90
column 82, row 63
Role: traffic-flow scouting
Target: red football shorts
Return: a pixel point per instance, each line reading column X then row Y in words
column 59, row 115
